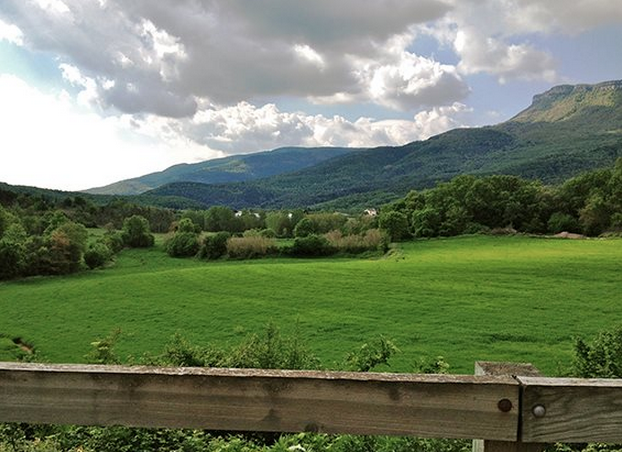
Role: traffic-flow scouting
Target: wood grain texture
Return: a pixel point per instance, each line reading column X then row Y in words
column 576, row 410
column 256, row 400
column 513, row 369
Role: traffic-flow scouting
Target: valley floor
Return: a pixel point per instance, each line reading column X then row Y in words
column 470, row 298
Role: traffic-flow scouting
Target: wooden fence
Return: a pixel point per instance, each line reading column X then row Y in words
column 507, row 406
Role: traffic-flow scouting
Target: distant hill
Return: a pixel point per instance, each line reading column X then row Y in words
column 238, row 168
column 566, row 130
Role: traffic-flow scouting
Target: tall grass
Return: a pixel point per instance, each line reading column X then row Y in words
column 370, row 240
column 250, row 247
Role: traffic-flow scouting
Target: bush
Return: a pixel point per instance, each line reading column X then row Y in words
column 268, row 233
column 600, row 358
column 186, row 225
column 114, row 241
column 137, row 232
column 97, row 255
column 304, row 228
column 11, row 259
column 214, row 246
column 272, row 350
column 562, row 222
column 371, row 354
column 182, row 244
column 395, row 223
column 311, row 246
column 250, row 247
column 371, row 240
column 11, row 351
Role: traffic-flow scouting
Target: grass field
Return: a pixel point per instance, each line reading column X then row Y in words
column 467, row 299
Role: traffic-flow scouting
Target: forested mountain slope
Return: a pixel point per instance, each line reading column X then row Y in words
column 237, row 168
column 567, row 130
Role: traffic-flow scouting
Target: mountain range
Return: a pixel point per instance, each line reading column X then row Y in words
column 238, row 168
column 566, row 130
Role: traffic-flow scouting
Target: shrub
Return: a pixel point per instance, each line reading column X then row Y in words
column 311, row 246
column 395, row 223
column 11, row 351
column 426, row 222
column 272, row 350
column 560, row 222
column 97, row 255
column 616, row 222
column 182, row 244
column 323, row 222
column 66, row 251
column 137, row 232
column 214, row 246
column 371, row 240
column 250, row 247
column 304, row 228
column 103, row 350
column 11, row 259
column 268, row 233
column 179, row 352
column 600, row 358
column 114, row 241
column 186, row 225
column 371, row 354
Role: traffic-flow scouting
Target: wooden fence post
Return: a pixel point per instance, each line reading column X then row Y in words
column 514, row 370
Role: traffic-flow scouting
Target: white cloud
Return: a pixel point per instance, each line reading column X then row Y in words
column 182, row 80
column 11, row 33
column 489, row 36
column 174, row 52
column 480, row 53
column 245, row 128
column 561, row 15
column 309, row 55
column 411, row 81
column 89, row 94
column 54, row 6
column 49, row 141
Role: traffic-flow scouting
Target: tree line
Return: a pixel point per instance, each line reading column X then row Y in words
column 589, row 204
column 40, row 236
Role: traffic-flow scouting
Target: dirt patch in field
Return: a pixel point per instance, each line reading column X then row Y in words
column 569, row 235
column 28, row 348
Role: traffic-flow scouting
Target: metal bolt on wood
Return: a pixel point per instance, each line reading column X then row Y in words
column 539, row 411
column 504, row 405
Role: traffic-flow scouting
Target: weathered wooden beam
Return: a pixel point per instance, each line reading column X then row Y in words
column 571, row 410
column 513, row 370
column 441, row 406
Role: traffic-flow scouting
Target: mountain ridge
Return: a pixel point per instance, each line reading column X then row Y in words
column 566, row 130
column 236, row 168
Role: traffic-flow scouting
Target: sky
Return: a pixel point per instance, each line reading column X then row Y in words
column 97, row 91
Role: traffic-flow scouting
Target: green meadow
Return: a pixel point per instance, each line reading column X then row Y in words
column 469, row 298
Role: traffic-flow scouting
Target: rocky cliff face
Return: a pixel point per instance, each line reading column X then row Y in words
column 566, row 102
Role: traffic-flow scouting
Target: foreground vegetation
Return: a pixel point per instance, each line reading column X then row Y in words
column 600, row 357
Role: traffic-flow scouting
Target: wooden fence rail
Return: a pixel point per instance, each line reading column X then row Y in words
column 503, row 409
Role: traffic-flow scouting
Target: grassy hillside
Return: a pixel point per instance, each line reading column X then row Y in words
column 467, row 299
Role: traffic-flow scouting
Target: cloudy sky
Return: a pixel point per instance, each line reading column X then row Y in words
column 95, row 91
